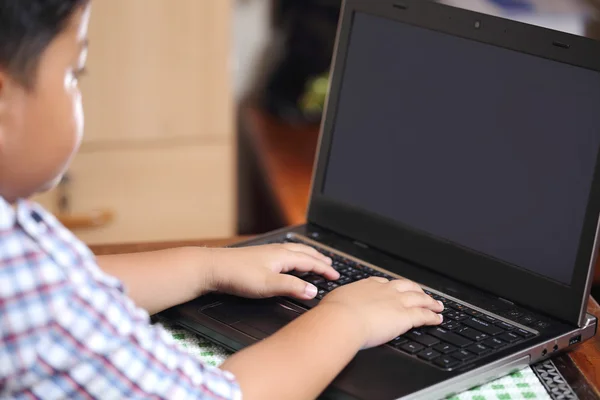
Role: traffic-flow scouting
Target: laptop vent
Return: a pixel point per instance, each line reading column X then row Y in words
column 562, row 45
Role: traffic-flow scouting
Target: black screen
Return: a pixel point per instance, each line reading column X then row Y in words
column 485, row 147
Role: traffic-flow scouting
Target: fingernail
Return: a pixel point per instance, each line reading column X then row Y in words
column 310, row 291
column 441, row 318
column 329, row 260
column 442, row 304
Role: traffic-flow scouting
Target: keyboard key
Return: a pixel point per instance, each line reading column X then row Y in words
column 447, row 362
column 444, row 300
column 505, row 326
column 489, row 319
column 367, row 270
column 513, row 314
column 411, row 347
column 473, row 313
column 463, row 355
column 314, row 279
column 524, row 333
column 483, row 326
column 349, row 271
column 449, row 337
column 348, row 262
column 399, row 341
column 456, row 315
column 444, row 348
column 338, row 266
column 472, row 334
column 328, row 285
column 343, row 280
column 450, row 325
column 459, row 307
column 494, row 343
column 299, row 274
column 446, row 310
column 509, row 337
column 321, row 294
column 360, row 277
column 428, row 354
column 478, row 349
column 423, row 338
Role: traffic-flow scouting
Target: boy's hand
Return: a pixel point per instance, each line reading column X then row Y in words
column 258, row 272
column 385, row 309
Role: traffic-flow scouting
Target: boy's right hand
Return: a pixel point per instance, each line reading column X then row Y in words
column 385, row 309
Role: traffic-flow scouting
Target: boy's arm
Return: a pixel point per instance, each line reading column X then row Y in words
column 162, row 279
column 302, row 358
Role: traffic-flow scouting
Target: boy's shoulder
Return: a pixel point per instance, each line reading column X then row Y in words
column 38, row 256
column 48, row 278
column 29, row 233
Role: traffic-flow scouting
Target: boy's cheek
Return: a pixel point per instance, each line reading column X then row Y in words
column 79, row 119
column 52, row 184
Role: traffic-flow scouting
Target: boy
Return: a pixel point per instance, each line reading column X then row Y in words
column 68, row 327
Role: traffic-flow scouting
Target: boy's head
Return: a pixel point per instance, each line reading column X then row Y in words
column 43, row 45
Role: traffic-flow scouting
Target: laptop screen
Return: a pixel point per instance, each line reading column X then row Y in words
column 484, row 147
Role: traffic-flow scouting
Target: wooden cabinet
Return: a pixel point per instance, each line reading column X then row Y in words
column 159, row 69
column 159, row 147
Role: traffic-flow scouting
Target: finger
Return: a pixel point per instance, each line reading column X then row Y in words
column 288, row 285
column 294, row 260
column 404, row 285
column 422, row 316
column 307, row 250
column 421, row 300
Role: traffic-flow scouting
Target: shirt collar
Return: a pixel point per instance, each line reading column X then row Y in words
column 23, row 214
column 8, row 215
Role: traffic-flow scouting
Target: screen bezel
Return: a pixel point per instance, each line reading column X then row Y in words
column 565, row 302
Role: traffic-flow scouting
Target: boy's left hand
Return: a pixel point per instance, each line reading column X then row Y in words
column 259, row 271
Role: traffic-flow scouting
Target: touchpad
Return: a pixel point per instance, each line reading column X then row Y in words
column 257, row 318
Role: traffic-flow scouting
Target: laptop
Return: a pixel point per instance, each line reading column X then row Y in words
column 460, row 151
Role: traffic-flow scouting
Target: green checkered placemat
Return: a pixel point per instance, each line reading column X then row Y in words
column 523, row 384
column 519, row 385
column 204, row 350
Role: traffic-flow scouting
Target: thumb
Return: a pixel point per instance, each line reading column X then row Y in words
column 288, row 285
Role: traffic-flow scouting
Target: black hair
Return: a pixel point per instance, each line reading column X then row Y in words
column 27, row 27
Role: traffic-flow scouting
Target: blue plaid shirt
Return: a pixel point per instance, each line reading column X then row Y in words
column 69, row 331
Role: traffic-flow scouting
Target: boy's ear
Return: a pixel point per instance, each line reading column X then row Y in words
column 2, row 107
column 9, row 91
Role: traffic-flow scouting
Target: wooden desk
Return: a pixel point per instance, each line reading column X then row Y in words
column 581, row 367
column 285, row 156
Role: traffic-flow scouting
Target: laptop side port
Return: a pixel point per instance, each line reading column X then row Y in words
column 575, row 340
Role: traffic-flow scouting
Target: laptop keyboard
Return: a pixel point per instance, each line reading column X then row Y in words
column 465, row 336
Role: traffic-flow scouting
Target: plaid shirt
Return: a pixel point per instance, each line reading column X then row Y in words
column 68, row 330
